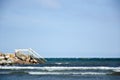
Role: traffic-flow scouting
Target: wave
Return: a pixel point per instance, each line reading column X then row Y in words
column 58, row 73
column 55, row 73
column 14, row 72
column 59, row 68
column 59, row 63
column 118, row 70
column 66, row 73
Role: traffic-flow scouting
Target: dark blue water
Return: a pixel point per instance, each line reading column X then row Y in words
column 65, row 69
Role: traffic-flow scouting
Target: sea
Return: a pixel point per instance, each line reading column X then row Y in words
column 65, row 69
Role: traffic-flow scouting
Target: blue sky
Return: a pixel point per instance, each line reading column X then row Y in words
column 61, row 28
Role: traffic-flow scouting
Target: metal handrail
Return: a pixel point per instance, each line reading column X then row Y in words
column 32, row 52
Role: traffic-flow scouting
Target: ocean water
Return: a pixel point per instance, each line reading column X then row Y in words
column 65, row 69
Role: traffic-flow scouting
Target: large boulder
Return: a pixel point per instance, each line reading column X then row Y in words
column 21, row 56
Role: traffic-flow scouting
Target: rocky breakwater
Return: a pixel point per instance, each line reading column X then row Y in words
column 18, row 58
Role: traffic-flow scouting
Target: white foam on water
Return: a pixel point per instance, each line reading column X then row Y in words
column 59, row 68
column 93, row 73
column 58, row 63
column 118, row 70
column 67, row 73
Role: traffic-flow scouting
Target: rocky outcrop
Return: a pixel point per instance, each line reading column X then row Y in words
column 18, row 58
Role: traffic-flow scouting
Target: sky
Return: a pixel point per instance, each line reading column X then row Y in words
column 61, row 28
